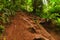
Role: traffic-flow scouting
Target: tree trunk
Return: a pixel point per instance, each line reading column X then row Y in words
column 34, row 6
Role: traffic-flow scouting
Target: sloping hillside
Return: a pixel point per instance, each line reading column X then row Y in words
column 23, row 27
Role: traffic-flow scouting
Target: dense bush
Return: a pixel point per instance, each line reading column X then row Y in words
column 7, row 9
column 52, row 11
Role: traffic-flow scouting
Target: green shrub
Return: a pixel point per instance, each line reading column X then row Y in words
column 7, row 8
column 52, row 11
column 1, row 29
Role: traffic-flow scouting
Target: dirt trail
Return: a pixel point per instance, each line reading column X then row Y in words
column 24, row 28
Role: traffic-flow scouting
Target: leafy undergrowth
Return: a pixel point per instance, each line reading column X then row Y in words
column 1, row 29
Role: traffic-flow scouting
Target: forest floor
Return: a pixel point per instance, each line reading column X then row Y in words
column 23, row 27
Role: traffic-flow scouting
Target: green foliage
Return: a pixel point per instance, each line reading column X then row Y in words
column 52, row 11
column 7, row 8
column 49, row 11
column 1, row 29
column 58, row 21
column 27, row 5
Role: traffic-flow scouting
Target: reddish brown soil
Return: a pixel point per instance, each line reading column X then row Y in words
column 19, row 29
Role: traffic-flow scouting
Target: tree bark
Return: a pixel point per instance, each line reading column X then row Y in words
column 34, row 6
